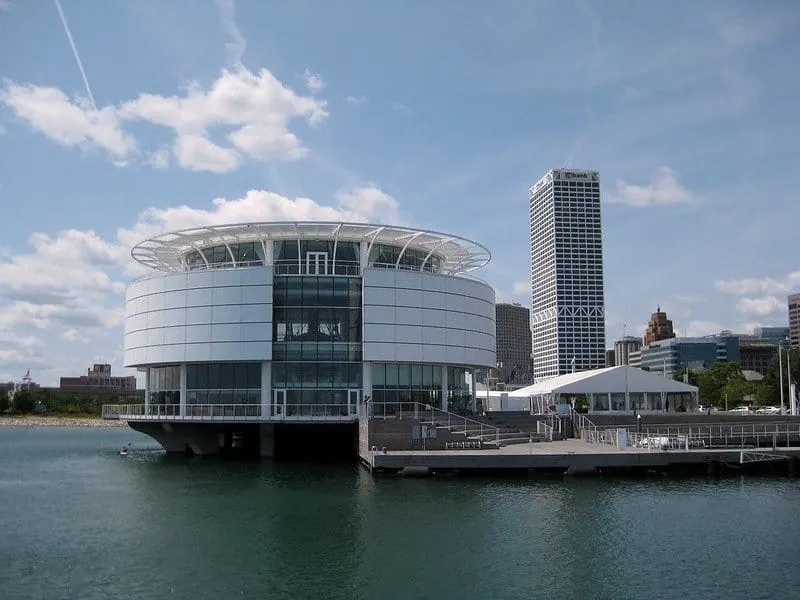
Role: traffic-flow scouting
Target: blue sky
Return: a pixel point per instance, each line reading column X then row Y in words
column 436, row 115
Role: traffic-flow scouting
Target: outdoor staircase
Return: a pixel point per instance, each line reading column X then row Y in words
column 488, row 436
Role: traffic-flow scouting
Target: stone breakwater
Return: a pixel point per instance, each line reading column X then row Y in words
column 58, row 422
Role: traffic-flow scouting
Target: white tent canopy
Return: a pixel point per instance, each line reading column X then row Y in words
column 622, row 389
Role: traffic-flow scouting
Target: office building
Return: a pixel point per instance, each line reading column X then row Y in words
column 610, row 362
column 775, row 335
column 673, row 355
column 623, row 349
column 514, row 363
column 659, row 328
column 245, row 332
column 756, row 353
column 794, row 320
column 567, row 296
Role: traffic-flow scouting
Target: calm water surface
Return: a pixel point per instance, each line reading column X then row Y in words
column 78, row 521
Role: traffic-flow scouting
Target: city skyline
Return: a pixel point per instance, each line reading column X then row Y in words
column 236, row 111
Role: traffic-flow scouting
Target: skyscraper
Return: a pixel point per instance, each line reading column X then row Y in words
column 567, row 297
column 513, row 324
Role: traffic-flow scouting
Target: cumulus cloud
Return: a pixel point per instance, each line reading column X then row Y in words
column 313, row 81
column 664, row 189
column 368, row 203
column 255, row 108
column 68, row 121
column 752, row 286
column 761, row 307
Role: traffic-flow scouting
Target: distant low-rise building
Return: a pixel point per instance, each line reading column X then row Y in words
column 776, row 335
column 610, row 357
column 624, row 347
column 98, row 380
column 756, row 353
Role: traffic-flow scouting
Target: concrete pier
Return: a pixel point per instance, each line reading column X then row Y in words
column 566, row 455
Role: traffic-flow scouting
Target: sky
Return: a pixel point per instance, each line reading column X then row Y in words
column 124, row 118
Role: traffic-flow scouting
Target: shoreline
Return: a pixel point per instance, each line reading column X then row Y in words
column 57, row 421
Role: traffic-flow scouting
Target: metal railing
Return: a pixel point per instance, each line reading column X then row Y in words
column 217, row 412
column 728, row 435
column 437, row 417
column 545, row 430
column 583, row 424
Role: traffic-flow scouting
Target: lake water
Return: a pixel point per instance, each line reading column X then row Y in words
column 80, row 522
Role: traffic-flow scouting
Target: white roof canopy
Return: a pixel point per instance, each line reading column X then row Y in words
column 606, row 381
column 458, row 254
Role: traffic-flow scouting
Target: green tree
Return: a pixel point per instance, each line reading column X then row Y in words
column 23, row 402
column 723, row 377
column 694, row 377
column 4, row 402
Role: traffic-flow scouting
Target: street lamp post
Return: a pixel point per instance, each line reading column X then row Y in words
column 780, row 372
column 789, row 379
column 625, row 363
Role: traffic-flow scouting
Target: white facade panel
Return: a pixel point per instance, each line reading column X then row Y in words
column 198, row 316
column 433, row 315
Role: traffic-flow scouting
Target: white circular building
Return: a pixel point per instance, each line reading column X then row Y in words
column 281, row 323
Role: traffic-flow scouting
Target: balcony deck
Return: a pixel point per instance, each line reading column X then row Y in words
column 231, row 413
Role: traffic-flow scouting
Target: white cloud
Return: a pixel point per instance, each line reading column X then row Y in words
column 72, row 335
column 761, row 307
column 159, row 160
column 767, row 286
column 664, row 189
column 8, row 338
column 238, row 43
column 369, row 203
column 69, row 122
column 703, row 328
column 313, row 81
column 354, row 100
column 400, row 107
column 256, row 108
column 196, row 152
column 522, row 288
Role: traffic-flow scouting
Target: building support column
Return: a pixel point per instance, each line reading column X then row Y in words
column 183, row 389
column 147, row 391
column 266, row 388
column 366, row 382
column 590, row 397
column 610, row 402
column 444, row 387
column 474, row 392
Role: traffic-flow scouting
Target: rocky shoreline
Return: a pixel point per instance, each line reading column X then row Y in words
column 32, row 421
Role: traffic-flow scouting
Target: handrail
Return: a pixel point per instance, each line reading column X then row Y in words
column 206, row 412
column 417, row 408
column 583, row 423
column 545, row 430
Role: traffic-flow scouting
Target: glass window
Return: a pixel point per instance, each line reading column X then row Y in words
column 404, row 376
column 391, row 375
column 253, row 376
column 214, row 376
column 378, row 375
column 240, row 376
column 416, row 376
column 191, row 376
